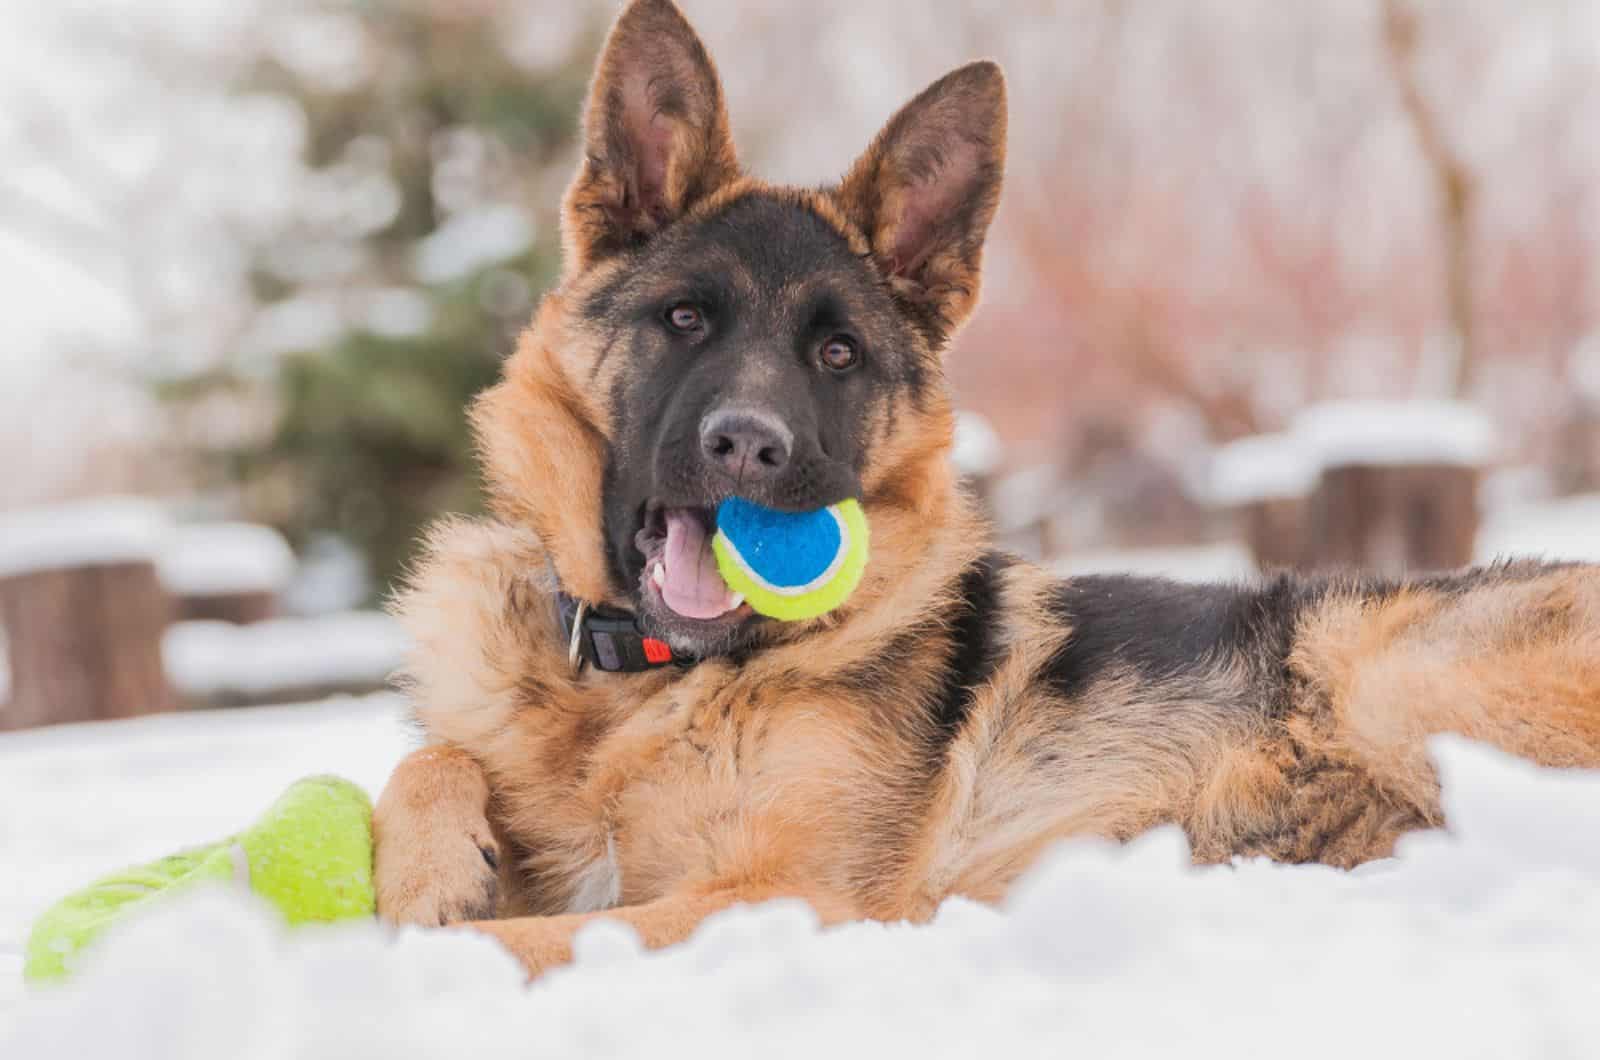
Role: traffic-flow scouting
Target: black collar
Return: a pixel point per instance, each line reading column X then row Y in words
column 609, row 640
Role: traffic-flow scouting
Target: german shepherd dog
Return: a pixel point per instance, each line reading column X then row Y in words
column 611, row 733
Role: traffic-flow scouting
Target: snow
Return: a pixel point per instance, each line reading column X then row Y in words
column 1514, row 485
column 1387, row 433
column 1480, row 942
column 1563, row 529
column 331, row 49
column 105, row 530
column 398, row 312
column 214, row 558
column 1585, row 370
column 82, row 800
column 1261, row 468
column 1226, row 561
column 472, row 240
column 347, row 650
column 294, row 325
column 977, row 450
column 332, row 577
column 1024, row 497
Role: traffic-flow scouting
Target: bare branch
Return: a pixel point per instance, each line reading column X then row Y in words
column 1454, row 181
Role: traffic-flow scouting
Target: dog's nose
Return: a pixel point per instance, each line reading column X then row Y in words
column 748, row 445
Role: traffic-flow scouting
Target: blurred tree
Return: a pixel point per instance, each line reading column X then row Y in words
column 1455, row 184
column 424, row 231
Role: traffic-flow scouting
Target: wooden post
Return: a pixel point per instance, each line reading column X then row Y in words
column 84, row 643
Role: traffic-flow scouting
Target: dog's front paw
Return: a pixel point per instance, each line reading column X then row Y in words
column 436, row 860
column 437, row 875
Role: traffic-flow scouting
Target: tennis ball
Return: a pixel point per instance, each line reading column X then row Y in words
column 309, row 855
column 791, row 565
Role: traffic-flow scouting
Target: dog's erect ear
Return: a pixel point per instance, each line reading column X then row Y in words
column 925, row 191
column 655, row 134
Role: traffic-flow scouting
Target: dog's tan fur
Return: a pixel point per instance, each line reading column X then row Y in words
column 547, row 797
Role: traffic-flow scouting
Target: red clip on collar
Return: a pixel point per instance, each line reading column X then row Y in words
column 609, row 640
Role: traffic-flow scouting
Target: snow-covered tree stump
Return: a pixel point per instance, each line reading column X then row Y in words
column 1386, row 487
column 83, row 611
column 1398, row 491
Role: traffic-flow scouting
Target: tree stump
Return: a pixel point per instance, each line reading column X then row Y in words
column 84, row 643
column 1395, row 519
column 1398, row 491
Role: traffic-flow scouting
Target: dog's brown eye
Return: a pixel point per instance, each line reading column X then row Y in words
column 684, row 317
column 839, row 353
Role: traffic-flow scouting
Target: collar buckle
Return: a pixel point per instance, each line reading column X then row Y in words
column 609, row 640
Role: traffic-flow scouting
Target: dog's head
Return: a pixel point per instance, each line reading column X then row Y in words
column 713, row 335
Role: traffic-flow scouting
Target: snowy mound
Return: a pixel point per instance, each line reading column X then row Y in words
column 215, row 558
column 81, row 800
column 1483, row 942
column 352, row 649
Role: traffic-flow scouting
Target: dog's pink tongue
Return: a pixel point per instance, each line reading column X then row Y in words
column 690, row 583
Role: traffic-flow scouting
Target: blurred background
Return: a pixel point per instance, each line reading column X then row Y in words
column 1273, row 284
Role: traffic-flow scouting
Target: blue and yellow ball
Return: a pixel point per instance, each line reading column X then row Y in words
column 791, row 565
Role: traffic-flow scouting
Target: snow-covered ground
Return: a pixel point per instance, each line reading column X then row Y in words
column 77, row 801
column 1566, row 528
column 1483, row 942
